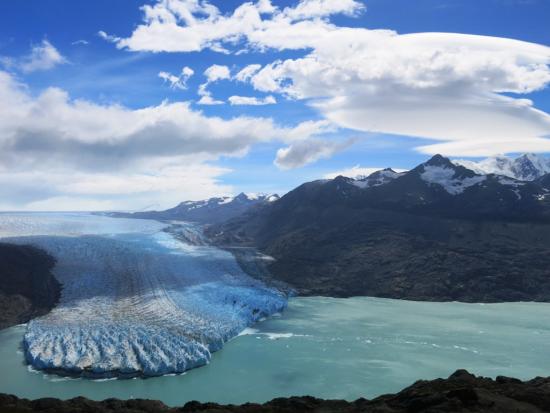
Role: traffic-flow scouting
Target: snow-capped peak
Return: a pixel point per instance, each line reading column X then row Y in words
column 446, row 176
column 377, row 178
column 526, row 167
column 256, row 196
column 225, row 200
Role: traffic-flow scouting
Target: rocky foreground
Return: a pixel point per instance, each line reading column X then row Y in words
column 28, row 288
column 461, row 392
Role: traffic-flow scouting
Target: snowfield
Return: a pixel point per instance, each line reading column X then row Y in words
column 135, row 301
column 445, row 177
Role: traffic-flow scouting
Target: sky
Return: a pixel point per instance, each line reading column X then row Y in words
column 133, row 105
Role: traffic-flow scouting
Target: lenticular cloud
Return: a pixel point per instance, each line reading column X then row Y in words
column 444, row 87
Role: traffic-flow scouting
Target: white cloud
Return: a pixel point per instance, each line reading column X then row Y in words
column 213, row 74
column 108, row 37
column 307, row 151
column 356, row 171
column 189, row 25
column 245, row 74
column 43, row 56
column 207, row 99
column 80, row 42
column 217, row 72
column 307, row 9
column 444, row 87
column 177, row 82
column 252, row 101
column 55, row 149
column 206, row 96
column 310, row 128
column 111, row 135
column 61, row 189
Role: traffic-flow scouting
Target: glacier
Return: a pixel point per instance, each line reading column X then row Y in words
column 135, row 300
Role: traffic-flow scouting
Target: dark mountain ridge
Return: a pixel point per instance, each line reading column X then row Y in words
column 437, row 187
column 438, row 232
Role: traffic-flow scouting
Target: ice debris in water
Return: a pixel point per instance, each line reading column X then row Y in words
column 134, row 300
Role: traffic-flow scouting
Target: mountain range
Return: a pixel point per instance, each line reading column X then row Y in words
column 209, row 211
column 526, row 167
column 444, row 230
column 440, row 231
column 503, row 187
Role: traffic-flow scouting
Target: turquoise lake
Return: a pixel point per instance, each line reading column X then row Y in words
column 330, row 348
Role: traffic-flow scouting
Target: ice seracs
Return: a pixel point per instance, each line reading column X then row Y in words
column 135, row 300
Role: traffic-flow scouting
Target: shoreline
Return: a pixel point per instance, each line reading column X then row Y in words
column 249, row 259
column 460, row 392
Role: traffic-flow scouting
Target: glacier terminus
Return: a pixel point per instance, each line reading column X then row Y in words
column 135, row 301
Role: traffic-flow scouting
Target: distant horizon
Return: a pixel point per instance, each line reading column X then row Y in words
column 357, row 174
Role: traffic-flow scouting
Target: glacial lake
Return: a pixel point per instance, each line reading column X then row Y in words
column 131, row 275
column 331, row 348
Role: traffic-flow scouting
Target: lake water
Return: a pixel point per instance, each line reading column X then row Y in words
column 331, row 348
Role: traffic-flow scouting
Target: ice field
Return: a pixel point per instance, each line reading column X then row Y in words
column 135, row 300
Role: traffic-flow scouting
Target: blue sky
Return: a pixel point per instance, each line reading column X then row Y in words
column 361, row 112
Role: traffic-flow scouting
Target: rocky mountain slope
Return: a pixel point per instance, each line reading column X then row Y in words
column 438, row 232
column 28, row 289
column 210, row 211
column 461, row 392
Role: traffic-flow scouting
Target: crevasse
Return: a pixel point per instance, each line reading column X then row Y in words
column 135, row 301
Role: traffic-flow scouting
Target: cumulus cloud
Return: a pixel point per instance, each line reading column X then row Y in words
column 251, row 100
column 59, row 189
column 43, row 56
column 217, row 72
column 56, row 151
column 177, row 82
column 245, row 74
column 445, row 87
column 192, row 25
column 212, row 74
column 109, row 136
column 206, row 96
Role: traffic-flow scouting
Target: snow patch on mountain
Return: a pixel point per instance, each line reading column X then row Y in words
column 357, row 172
column 446, row 177
column 526, row 167
column 360, row 184
column 377, row 178
column 510, row 182
column 225, row 200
